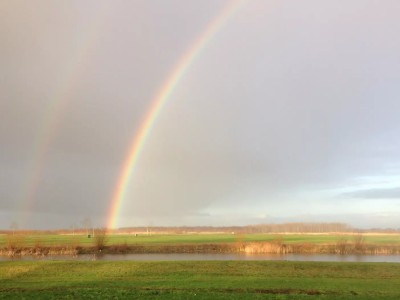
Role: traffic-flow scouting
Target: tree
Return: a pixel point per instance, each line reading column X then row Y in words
column 100, row 239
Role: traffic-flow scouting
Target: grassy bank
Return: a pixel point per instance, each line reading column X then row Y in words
column 199, row 243
column 199, row 280
column 164, row 239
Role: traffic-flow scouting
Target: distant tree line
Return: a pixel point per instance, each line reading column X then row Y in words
column 298, row 227
column 295, row 227
column 258, row 228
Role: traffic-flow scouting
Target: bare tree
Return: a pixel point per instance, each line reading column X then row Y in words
column 100, row 239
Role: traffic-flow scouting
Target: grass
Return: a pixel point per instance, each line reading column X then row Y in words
column 198, row 280
column 168, row 239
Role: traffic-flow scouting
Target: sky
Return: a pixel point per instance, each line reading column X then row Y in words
column 288, row 112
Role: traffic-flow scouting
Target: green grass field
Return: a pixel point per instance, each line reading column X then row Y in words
column 168, row 239
column 198, row 280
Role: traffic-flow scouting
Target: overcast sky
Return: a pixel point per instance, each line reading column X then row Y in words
column 289, row 113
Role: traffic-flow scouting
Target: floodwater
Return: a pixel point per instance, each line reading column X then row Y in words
column 211, row 257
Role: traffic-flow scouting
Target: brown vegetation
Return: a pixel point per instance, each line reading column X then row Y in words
column 100, row 239
column 16, row 246
column 342, row 247
column 39, row 251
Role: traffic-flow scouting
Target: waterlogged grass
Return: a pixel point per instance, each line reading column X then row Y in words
column 168, row 239
column 198, row 280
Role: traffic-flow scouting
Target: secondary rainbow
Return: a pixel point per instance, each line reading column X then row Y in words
column 54, row 111
column 159, row 102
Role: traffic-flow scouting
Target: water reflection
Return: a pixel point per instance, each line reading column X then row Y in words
column 210, row 257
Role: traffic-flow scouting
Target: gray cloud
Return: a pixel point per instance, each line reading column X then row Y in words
column 393, row 193
column 287, row 98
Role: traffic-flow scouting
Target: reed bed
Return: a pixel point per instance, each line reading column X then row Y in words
column 16, row 246
column 39, row 252
column 308, row 248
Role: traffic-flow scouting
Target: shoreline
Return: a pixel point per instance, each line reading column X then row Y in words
column 342, row 248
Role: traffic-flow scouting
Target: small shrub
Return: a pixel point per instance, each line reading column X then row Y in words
column 15, row 243
column 342, row 246
column 359, row 243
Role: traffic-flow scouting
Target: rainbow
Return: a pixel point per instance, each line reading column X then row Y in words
column 157, row 104
column 54, row 111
